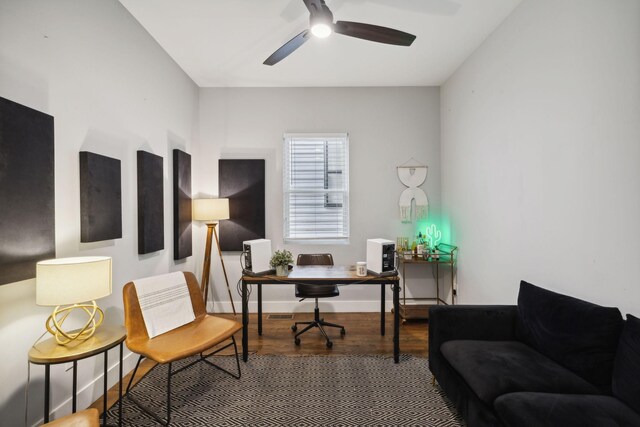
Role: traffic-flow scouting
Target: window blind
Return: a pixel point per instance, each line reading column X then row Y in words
column 316, row 187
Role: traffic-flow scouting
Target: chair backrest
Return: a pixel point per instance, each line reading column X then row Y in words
column 314, row 259
column 133, row 320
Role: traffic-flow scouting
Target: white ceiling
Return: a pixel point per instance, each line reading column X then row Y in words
column 222, row 43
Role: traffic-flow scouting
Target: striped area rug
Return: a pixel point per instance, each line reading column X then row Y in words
column 297, row 391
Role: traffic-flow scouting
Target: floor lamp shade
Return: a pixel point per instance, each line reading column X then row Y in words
column 210, row 209
column 72, row 280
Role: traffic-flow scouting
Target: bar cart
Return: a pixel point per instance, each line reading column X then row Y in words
column 445, row 258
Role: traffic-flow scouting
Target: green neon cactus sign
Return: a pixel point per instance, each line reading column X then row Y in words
column 433, row 235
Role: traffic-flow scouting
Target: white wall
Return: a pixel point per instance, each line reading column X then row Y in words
column 540, row 154
column 112, row 90
column 386, row 126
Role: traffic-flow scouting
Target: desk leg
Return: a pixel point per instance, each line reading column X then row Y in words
column 47, row 386
column 104, row 389
column 260, row 309
column 75, row 387
column 382, row 310
column 120, row 389
column 245, row 322
column 396, row 322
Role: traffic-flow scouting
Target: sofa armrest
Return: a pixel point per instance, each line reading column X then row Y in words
column 467, row 322
column 470, row 322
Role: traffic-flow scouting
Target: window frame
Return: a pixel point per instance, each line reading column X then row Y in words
column 287, row 190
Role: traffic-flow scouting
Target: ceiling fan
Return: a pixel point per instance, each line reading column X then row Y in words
column 322, row 25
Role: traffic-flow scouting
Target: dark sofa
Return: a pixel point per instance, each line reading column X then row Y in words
column 552, row 360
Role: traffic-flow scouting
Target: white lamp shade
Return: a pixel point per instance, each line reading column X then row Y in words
column 72, row 280
column 210, row 209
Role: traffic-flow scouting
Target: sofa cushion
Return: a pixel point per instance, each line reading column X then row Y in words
column 528, row 409
column 626, row 368
column 493, row 368
column 579, row 335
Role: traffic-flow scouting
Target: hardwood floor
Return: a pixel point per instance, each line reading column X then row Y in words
column 362, row 337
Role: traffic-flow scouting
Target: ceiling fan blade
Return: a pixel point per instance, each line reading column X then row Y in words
column 373, row 33
column 286, row 49
column 315, row 6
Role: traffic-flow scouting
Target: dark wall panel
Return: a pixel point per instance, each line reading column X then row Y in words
column 182, row 246
column 100, row 198
column 27, row 198
column 150, row 203
column 242, row 181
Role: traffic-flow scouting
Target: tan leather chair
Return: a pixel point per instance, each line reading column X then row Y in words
column 194, row 338
column 86, row 418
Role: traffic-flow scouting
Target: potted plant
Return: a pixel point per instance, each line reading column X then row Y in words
column 280, row 261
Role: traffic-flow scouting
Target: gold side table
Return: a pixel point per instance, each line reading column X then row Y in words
column 49, row 352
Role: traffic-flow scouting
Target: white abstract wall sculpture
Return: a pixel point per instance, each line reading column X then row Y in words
column 412, row 174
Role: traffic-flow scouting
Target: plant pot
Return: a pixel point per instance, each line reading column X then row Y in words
column 282, row 270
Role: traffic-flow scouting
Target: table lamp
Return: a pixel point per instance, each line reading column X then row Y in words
column 210, row 211
column 73, row 284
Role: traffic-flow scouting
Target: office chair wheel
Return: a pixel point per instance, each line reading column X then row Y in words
column 294, row 328
column 342, row 331
column 297, row 341
column 329, row 344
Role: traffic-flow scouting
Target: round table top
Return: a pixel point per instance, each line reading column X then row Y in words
column 49, row 352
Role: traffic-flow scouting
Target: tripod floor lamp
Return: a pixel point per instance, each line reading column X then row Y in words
column 211, row 211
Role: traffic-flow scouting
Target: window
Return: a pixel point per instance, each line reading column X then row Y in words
column 316, row 188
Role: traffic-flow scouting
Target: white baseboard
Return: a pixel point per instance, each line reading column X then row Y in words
column 306, row 306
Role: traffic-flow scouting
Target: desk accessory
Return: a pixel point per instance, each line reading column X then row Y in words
column 257, row 256
column 280, row 261
column 210, row 211
column 361, row 268
column 72, row 284
column 380, row 255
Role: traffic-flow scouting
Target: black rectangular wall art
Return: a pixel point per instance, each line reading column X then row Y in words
column 100, row 198
column 150, row 203
column 27, row 191
column 182, row 246
column 242, row 182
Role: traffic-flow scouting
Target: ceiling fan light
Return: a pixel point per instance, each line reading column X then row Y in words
column 321, row 30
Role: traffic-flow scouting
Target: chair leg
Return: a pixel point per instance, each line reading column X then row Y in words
column 169, row 394
column 133, row 375
column 316, row 323
column 306, row 328
column 171, row 373
column 333, row 325
column 148, row 411
column 323, row 332
column 295, row 325
column 235, row 347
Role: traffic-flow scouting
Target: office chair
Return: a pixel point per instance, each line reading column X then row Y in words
column 316, row 291
column 193, row 338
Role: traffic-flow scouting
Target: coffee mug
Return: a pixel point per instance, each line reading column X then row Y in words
column 361, row 268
